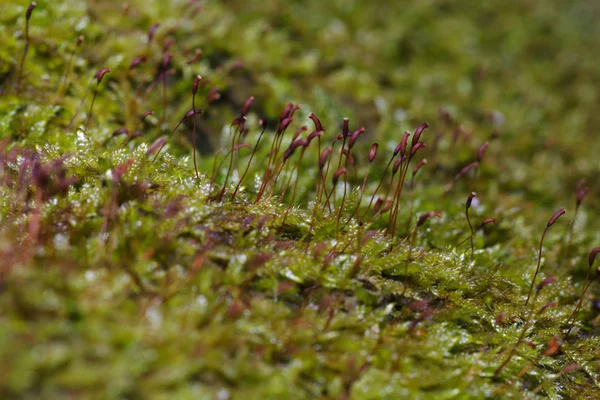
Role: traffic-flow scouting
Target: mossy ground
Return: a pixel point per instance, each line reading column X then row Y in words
column 123, row 277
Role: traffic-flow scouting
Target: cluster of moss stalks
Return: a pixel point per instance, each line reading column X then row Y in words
column 298, row 255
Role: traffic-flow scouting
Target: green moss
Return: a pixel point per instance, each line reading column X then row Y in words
column 124, row 277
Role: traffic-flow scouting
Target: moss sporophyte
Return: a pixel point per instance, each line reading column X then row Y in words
column 251, row 247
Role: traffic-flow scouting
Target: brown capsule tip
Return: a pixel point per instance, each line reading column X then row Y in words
column 121, row 169
column 213, row 94
column 553, row 346
column 299, row 131
column 547, row 281
column 401, row 148
column 466, row 169
column 286, row 111
column 592, row 256
column 158, row 143
column 323, row 157
column 32, row 5
column 470, row 199
column 555, row 217
column 100, row 74
column 397, row 164
column 428, row 215
column 488, row 221
column 482, row 151
column 242, row 146
column 353, row 136
column 500, row 318
column 547, row 306
column 378, row 204
column 120, row 131
column 581, row 194
column 388, row 206
column 373, row 152
column 192, row 112
column 288, row 153
column 145, row 114
column 314, row 134
column 197, row 80
column 345, row 128
column 166, row 60
column 416, row 147
column 337, row 175
column 137, row 61
column 239, row 121
column 294, row 109
column 571, row 368
column 530, row 344
column 80, row 40
column 284, row 124
column 136, row 134
column 349, row 156
column 170, row 42
column 418, row 133
column 418, row 166
column 298, row 143
column 196, row 56
column 316, row 121
column 152, row 31
column 368, row 236
column 247, row 105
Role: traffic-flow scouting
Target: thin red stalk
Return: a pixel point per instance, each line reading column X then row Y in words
column 586, row 285
column 291, row 203
column 389, row 189
column 515, row 347
column 326, row 174
column 581, row 193
column 194, row 91
column 413, row 237
column 294, row 144
column 485, row 222
column 32, row 5
column 341, row 209
column 79, row 107
column 231, row 156
column 537, row 269
column 250, row 160
column 294, row 169
column 63, row 83
column 279, row 169
column 334, row 181
column 91, row 106
column 387, row 167
column 284, row 121
column 266, row 177
column 163, row 116
column 362, row 192
column 412, row 193
column 99, row 75
column 468, row 206
column 189, row 114
column 396, row 199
